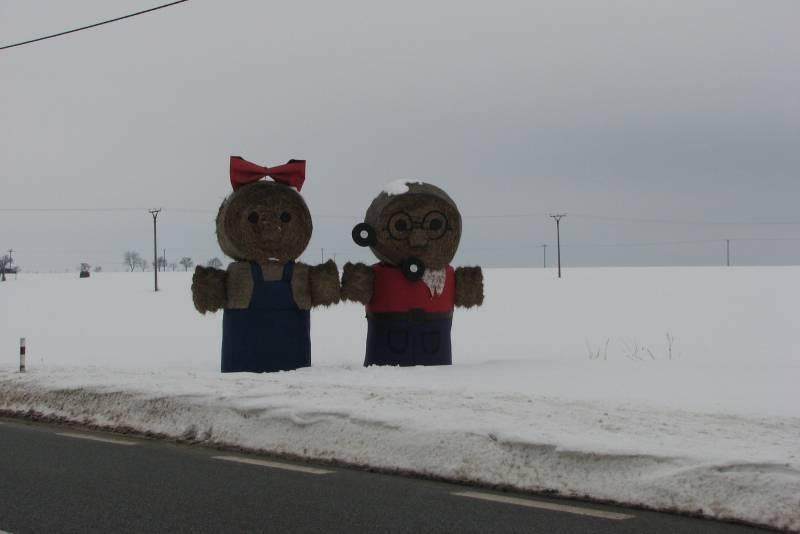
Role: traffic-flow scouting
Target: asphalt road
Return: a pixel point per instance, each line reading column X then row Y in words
column 60, row 479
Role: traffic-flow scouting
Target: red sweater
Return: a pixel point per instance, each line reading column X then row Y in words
column 392, row 292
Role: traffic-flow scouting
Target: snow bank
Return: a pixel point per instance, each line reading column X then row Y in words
column 673, row 389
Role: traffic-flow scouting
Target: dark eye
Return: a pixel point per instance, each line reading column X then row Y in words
column 253, row 217
column 435, row 224
column 286, row 216
column 399, row 225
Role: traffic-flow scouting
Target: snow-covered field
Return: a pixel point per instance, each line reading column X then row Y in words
column 671, row 388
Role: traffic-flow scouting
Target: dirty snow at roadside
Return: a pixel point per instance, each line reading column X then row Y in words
column 672, row 388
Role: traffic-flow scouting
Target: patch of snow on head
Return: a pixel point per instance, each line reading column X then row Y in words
column 398, row 187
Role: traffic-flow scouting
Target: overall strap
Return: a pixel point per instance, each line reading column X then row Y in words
column 257, row 275
column 288, row 270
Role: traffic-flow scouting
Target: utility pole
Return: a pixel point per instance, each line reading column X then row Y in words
column 154, row 213
column 558, row 218
column 544, row 258
column 728, row 251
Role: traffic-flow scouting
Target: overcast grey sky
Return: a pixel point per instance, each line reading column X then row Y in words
column 680, row 118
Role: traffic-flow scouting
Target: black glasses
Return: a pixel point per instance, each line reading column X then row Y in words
column 401, row 224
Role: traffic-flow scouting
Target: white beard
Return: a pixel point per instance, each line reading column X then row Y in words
column 435, row 281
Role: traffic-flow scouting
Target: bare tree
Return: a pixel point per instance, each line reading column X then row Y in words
column 670, row 344
column 187, row 263
column 594, row 353
column 215, row 262
column 98, row 269
column 173, row 266
column 132, row 259
column 144, row 264
column 162, row 263
column 85, row 267
column 5, row 263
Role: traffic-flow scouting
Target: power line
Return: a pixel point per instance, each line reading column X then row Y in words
column 772, row 222
column 690, row 242
column 505, row 215
column 651, row 243
column 59, row 210
column 683, row 221
column 96, row 24
column 121, row 209
column 736, row 239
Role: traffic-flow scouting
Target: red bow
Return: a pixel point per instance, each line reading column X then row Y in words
column 243, row 172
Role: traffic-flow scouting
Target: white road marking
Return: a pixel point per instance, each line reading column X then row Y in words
column 276, row 465
column 97, row 438
column 543, row 505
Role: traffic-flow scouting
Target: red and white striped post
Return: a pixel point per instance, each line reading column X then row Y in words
column 22, row 355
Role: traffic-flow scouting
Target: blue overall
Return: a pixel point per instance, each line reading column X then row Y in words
column 408, row 339
column 272, row 334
